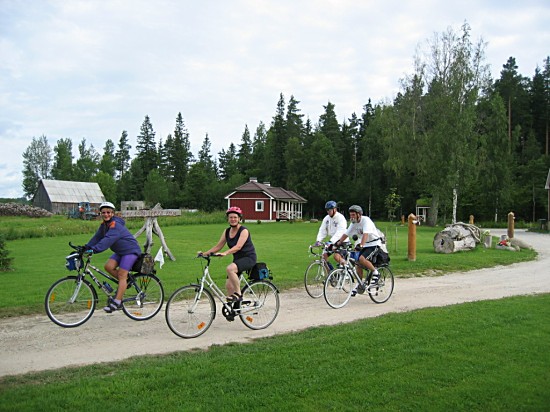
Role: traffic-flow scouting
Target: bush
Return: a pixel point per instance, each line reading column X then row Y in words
column 5, row 260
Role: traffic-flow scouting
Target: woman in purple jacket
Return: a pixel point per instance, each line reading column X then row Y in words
column 113, row 234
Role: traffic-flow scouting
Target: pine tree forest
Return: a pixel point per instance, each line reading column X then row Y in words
column 453, row 138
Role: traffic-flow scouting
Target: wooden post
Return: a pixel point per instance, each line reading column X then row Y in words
column 411, row 254
column 402, row 220
column 511, row 225
column 471, row 219
column 151, row 226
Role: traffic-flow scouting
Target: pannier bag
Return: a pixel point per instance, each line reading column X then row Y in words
column 144, row 264
column 259, row 272
column 381, row 258
column 73, row 262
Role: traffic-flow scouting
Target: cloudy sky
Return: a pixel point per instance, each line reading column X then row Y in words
column 91, row 69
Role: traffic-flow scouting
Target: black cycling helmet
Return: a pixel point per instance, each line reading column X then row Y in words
column 356, row 209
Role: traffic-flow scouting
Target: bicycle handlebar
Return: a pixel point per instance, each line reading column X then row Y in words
column 81, row 250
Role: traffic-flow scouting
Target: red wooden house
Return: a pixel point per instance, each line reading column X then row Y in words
column 261, row 201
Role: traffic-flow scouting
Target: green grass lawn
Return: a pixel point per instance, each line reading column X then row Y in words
column 481, row 356
column 39, row 261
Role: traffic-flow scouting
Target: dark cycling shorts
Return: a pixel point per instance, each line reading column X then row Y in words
column 244, row 263
column 369, row 252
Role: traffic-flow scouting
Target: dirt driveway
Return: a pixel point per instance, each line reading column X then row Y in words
column 34, row 343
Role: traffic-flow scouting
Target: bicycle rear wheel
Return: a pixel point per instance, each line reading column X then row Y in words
column 148, row 301
column 70, row 302
column 314, row 278
column 190, row 313
column 260, row 304
column 337, row 289
column 382, row 291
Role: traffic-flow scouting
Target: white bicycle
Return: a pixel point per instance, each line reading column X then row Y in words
column 191, row 309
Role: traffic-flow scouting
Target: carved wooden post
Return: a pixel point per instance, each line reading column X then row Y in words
column 411, row 254
column 151, row 226
column 403, row 220
column 511, row 225
column 471, row 219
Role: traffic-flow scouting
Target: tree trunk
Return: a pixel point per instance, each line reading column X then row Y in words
column 432, row 212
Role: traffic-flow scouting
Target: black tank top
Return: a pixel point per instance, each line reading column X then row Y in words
column 247, row 250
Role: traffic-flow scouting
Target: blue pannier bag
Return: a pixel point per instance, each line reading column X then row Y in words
column 73, row 262
column 259, row 271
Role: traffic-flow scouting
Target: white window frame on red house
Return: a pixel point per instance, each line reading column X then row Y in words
column 259, row 206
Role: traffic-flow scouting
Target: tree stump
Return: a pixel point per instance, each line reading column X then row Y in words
column 457, row 237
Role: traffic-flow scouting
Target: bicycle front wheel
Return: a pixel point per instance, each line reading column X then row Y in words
column 189, row 312
column 314, row 278
column 260, row 304
column 148, row 300
column 70, row 302
column 381, row 291
column 337, row 288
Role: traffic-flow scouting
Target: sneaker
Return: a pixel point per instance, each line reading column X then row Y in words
column 374, row 278
column 354, row 291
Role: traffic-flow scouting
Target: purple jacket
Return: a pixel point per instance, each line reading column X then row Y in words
column 114, row 234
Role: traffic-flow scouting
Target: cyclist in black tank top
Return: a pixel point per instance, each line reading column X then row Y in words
column 240, row 246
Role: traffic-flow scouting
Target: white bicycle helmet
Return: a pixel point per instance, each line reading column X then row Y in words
column 107, row 204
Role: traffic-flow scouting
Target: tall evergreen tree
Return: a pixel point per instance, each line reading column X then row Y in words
column 276, row 146
column 122, row 156
column 294, row 123
column 546, row 80
column 146, row 147
column 108, row 159
column 63, row 160
column 513, row 89
column 540, row 104
column 228, row 163
column 201, row 190
column 86, row 166
column 492, row 196
column 179, row 155
column 162, row 162
column 330, row 128
column 244, row 155
column 259, row 154
column 37, row 159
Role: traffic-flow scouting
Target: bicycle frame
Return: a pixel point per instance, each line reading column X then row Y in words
column 206, row 281
column 88, row 269
column 319, row 255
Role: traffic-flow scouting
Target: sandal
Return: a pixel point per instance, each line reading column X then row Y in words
column 235, row 297
column 112, row 306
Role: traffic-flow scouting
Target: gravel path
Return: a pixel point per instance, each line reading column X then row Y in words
column 34, row 343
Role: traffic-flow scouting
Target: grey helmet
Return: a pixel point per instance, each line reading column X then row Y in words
column 356, row 209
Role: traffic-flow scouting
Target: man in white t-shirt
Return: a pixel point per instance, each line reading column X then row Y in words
column 367, row 243
column 333, row 225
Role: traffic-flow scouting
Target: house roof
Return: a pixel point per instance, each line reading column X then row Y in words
column 62, row 191
column 274, row 192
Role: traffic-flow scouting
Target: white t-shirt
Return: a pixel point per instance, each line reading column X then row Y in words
column 334, row 227
column 365, row 225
